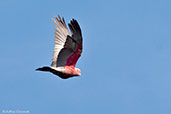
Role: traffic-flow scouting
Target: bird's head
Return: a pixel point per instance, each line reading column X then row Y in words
column 78, row 71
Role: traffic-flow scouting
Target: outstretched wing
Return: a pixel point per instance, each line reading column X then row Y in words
column 61, row 33
column 69, row 55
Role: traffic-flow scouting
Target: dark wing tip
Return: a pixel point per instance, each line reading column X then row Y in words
column 73, row 25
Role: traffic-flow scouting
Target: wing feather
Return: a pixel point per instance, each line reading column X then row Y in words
column 67, row 49
column 72, row 50
column 61, row 33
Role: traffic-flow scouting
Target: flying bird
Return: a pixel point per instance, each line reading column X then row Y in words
column 67, row 49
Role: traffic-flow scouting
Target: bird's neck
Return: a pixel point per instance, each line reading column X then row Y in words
column 71, row 70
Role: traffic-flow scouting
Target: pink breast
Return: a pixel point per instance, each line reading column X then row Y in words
column 71, row 61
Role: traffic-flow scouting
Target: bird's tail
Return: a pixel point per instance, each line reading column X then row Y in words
column 44, row 69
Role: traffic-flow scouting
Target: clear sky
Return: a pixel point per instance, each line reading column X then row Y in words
column 125, row 64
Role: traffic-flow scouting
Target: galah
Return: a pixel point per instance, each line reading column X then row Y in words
column 67, row 49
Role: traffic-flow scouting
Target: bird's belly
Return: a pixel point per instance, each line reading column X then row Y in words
column 60, row 69
column 66, row 70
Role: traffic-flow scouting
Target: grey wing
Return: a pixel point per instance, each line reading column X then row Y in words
column 75, row 31
column 73, row 46
column 61, row 33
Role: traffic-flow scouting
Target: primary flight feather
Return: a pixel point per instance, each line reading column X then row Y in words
column 67, row 49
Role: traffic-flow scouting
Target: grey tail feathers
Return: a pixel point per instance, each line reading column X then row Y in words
column 44, row 69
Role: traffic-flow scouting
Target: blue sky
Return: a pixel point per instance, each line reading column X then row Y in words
column 125, row 63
